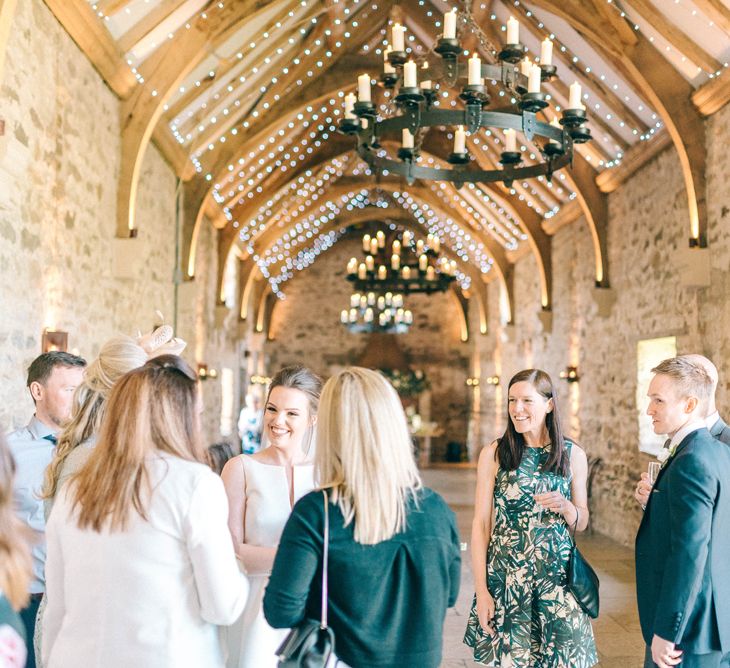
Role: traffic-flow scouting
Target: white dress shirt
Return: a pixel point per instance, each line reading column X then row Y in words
column 679, row 436
column 711, row 419
column 32, row 454
column 151, row 595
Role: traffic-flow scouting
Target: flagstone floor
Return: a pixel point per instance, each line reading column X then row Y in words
column 617, row 629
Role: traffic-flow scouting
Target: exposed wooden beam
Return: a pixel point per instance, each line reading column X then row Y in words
column 111, row 7
column 568, row 214
column 634, row 159
column 675, row 36
column 86, row 29
column 713, row 95
column 174, row 153
column 717, row 12
column 148, row 23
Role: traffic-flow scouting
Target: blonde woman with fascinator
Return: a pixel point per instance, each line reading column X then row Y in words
column 262, row 489
column 15, row 568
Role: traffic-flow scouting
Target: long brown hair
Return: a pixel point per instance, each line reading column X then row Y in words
column 116, row 357
column 150, row 410
column 16, row 567
column 512, row 444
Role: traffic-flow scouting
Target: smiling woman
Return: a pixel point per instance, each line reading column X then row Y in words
column 262, row 489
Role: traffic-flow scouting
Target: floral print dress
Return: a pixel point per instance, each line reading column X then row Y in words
column 538, row 622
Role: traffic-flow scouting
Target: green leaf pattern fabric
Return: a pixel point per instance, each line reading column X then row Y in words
column 538, row 622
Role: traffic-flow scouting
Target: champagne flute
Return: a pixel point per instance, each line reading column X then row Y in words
column 542, row 485
column 654, row 468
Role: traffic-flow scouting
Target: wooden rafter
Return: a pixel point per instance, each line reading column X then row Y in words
column 675, row 36
column 712, row 96
column 83, row 25
column 148, row 23
column 717, row 12
column 111, row 7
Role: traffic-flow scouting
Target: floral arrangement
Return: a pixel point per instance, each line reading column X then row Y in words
column 407, row 383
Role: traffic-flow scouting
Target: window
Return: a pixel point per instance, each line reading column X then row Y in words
column 649, row 353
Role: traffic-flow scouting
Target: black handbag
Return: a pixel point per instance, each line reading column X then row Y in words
column 311, row 643
column 583, row 582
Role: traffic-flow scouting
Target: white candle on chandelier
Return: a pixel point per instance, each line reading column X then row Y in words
column 371, row 299
column 373, row 246
column 355, row 300
column 387, row 67
column 352, row 266
column 510, row 141
column 380, row 236
column 546, row 52
column 513, row 30
column 344, row 316
column 366, row 243
column 460, row 140
column 395, row 262
column 362, row 271
column 350, row 100
column 556, row 124
column 574, row 99
column 422, row 262
column 450, row 24
column 426, row 83
column 475, row 70
column 363, row 88
column 381, row 302
column 397, row 301
column 382, row 272
column 382, row 320
column 410, row 74
column 408, row 317
column 353, row 315
column 398, row 37
column 525, row 65
column 368, row 317
column 407, row 138
column 533, row 83
column 430, row 274
column 407, row 236
column 370, row 263
column 419, row 246
column 452, row 268
column 396, row 247
column 364, row 123
column 406, row 273
column 388, row 298
column 436, row 244
column 363, row 301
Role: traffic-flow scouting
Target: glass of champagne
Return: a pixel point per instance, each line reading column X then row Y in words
column 654, row 468
column 542, row 485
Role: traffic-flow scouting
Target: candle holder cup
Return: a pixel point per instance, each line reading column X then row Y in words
column 409, row 95
column 533, row 102
column 364, row 109
column 552, row 150
column 572, row 118
column 448, row 48
column 510, row 158
column 512, row 53
column 407, row 154
column 389, row 80
column 349, row 126
column 397, row 58
column 430, row 96
column 459, row 158
column 475, row 94
column 548, row 72
column 580, row 134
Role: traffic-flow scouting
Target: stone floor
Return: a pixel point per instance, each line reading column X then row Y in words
column 617, row 629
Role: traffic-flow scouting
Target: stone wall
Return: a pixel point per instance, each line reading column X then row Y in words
column 306, row 329
column 60, row 263
column 647, row 258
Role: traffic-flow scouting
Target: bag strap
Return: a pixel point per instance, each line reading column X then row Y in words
column 575, row 524
column 325, row 559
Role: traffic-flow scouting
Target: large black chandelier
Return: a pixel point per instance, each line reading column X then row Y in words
column 416, row 109
column 398, row 263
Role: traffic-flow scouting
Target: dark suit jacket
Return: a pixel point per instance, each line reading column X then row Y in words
column 721, row 431
column 682, row 548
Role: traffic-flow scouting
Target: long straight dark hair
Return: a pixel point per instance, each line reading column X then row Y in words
column 512, row 444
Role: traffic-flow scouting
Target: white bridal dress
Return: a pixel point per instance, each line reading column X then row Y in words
column 251, row 642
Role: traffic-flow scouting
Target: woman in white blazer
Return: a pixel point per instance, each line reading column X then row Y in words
column 140, row 566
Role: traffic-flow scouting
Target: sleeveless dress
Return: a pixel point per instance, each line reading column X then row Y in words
column 538, row 622
column 251, row 642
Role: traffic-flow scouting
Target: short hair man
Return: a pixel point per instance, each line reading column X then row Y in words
column 52, row 380
column 682, row 579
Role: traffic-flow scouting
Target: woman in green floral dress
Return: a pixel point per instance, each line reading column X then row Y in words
column 531, row 487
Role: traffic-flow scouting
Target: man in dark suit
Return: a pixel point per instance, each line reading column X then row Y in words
column 682, row 577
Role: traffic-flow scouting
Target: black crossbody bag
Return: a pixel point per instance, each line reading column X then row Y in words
column 311, row 643
column 583, row 582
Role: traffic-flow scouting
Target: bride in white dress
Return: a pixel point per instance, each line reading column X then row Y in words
column 262, row 489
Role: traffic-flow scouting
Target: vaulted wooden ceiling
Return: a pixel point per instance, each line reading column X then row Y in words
column 243, row 97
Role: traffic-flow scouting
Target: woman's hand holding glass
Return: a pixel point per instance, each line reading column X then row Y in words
column 485, row 612
column 548, row 499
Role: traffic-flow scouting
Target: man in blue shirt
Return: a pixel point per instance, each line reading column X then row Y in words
column 52, row 380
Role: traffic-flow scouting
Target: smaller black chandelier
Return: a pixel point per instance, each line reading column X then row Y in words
column 376, row 313
column 416, row 103
column 399, row 263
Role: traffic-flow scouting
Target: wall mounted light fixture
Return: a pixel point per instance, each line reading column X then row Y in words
column 472, row 382
column 570, row 374
column 260, row 380
column 492, row 380
column 54, row 339
column 205, row 372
